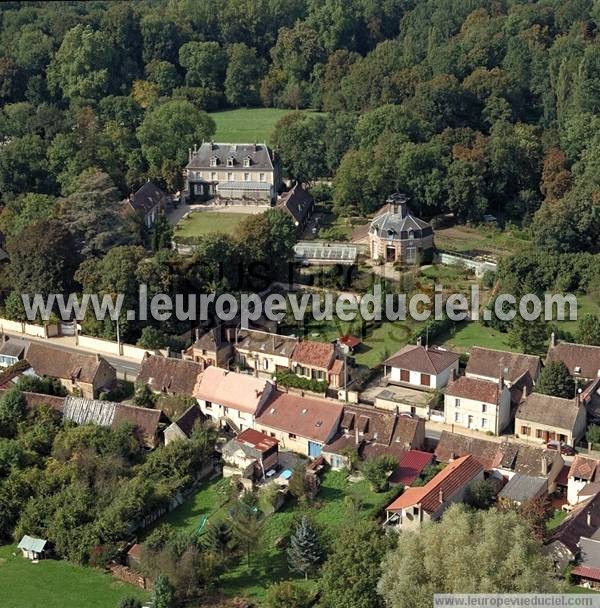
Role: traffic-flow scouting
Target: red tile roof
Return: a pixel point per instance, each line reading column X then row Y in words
column 257, row 440
column 314, row 419
column 472, row 388
column 457, row 475
column 585, row 468
column 410, row 466
column 432, row 360
column 350, row 341
column 587, row 572
column 314, row 354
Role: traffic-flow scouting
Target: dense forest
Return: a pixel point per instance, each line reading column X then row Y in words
column 470, row 107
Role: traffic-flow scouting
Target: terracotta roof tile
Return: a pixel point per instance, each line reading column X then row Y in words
column 473, row 388
column 314, row 354
column 448, row 482
column 257, row 440
column 432, row 360
column 575, row 525
column 165, row 374
column 585, row 468
column 314, row 419
column 410, row 466
column 492, row 363
column 454, row 445
column 581, row 360
column 58, row 363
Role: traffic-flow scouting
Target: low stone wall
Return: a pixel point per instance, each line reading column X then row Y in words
column 480, row 266
column 48, row 330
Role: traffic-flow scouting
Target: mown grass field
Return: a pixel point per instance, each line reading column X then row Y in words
column 476, row 334
column 57, row 584
column 205, row 222
column 246, row 125
column 480, row 240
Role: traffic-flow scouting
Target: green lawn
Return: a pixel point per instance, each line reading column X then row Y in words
column 205, row 222
column 476, row 334
column 247, row 125
column 380, row 342
column 481, row 240
column 330, row 514
column 586, row 304
column 557, row 518
column 57, row 584
column 209, row 501
column 269, row 564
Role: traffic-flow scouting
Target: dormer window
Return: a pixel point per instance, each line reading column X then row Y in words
column 230, row 161
column 247, row 161
column 214, row 161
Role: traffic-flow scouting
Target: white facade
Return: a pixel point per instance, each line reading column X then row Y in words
column 478, row 415
column 418, row 379
column 239, row 418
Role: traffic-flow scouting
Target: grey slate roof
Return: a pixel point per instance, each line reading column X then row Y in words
column 244, row 186
column 523, row 487
column 590, row 552
column 260, row 156
column 147, row 198
column 397, row 222
column 297, row 202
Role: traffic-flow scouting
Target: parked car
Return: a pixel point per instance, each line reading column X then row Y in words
column 565, row 450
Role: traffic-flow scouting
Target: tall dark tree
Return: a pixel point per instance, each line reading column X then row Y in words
column 555, row 380
column 350, row 574
column 45, row 261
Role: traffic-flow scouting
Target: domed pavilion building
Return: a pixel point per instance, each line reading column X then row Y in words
column 395, row 235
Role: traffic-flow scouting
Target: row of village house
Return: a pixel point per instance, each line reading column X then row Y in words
column 267, row 419
column 495, row 391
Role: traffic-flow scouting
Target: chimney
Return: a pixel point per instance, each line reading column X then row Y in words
column 195, row 148
column 356, row 438
column 419, row 340
column 525, row 391
column 544, row 466
column 197, row 331
column 589, row 518
column 441, row 496
column 189, row 155
column 452, row 457
column 552, row 340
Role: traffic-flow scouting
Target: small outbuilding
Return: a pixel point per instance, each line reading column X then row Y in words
column 33, row 548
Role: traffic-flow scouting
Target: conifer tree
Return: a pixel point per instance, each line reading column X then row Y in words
column 305, row 551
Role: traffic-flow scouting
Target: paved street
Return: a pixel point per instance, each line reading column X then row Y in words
column 127, row 368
